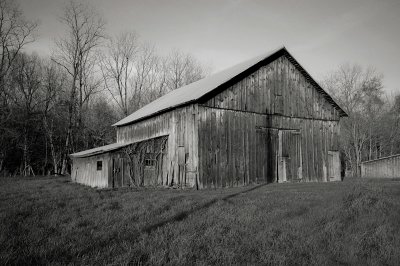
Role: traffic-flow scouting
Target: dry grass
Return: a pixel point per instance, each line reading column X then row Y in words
column 52, row 221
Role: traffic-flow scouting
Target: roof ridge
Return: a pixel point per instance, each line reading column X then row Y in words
column 194, row 91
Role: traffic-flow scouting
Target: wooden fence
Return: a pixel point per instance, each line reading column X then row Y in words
column 387, row 167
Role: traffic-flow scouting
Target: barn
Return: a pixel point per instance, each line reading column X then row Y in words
column 263, row 120
column 385, row 167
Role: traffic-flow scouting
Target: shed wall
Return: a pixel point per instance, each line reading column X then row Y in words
column 382, row 168
column 181, row 127
column 84, row 171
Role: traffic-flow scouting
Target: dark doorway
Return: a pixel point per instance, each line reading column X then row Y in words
column 117, row 172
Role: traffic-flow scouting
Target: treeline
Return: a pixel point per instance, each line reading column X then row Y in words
column 372, row 129
column 51, row 107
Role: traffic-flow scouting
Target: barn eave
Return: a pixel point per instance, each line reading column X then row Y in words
column 99, row 150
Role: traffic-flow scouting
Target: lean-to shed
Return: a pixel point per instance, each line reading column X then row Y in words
column 263, row 120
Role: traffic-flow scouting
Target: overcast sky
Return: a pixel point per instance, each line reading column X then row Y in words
column 320, row 34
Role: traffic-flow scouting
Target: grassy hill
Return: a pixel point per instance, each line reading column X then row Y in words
column 49, row 220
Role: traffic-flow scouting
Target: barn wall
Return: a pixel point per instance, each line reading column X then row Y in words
column 232, row 152
column 238, row 148
column 277, row 88
column 382, row 168
column 318, row 137
column 180, row 126
column 84, row 171
column 232, row 138
column 151, row 175
column 239, row 128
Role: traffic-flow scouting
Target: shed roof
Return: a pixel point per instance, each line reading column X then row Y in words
column 99, row 150
column 196, row 90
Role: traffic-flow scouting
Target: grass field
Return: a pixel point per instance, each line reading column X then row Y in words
column 49, row 220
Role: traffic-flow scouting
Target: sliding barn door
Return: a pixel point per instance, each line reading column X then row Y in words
column 117, row 172
column 334, row 166
column 289, row 157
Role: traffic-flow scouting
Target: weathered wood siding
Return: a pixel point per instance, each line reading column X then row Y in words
column 318, row 137
column 116, row 166
column 240, row 134
column 277, row 88
column 232, row 151
column 84, row 171
column 239, row 129
column 181, row 127
column 388, row 167
column 237, row 148
column 141, row 174
column 334, row 166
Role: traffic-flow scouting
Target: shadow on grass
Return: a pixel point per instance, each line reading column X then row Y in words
column 184, row 214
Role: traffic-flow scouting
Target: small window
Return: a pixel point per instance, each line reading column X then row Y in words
column 150, row 163
column 99, row 165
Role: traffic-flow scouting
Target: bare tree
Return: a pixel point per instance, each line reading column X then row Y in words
column 183, row 69
column 158, row 81
column 85, row 31
column 100, row 115
column 156, row 75
column 117, row 67
column 388, row 141
column 15, row 33
column 145, row 67
column 48, row 110
column 359, row 93
column 27, row 76
column 53, row 87
column 134, row 74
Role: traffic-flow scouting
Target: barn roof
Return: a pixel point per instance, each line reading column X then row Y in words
column 99, row 150
column 201, row 88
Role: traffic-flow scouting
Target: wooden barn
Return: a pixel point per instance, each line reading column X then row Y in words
column 386, row 167
column 264, row 120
